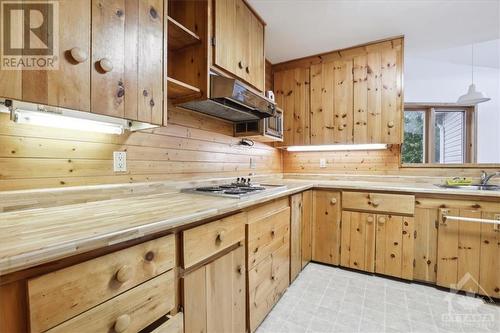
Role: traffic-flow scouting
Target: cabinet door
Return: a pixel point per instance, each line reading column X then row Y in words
column 332, row 102
column 68, row 86
column 358, row 241
column 326, row 227
column 255, row 67
column 489, row 266
column 459, row 250
column 215, row 295
column 295, row 235
column 306, row 227
column 225, row 35
column 292, row 95
column 426, row 220
column 394, row 246
column 242, row 42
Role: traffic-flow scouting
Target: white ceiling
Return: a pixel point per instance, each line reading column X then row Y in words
column 298, row 28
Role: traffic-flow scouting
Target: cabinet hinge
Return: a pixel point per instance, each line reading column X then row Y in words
column 435, row 268
column 415, row 234
column 414, row 263
column 436, row 224
column 212, row 41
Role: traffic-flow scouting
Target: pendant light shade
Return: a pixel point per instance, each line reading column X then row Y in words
column 473, row 97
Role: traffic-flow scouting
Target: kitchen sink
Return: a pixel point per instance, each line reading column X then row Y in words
column 474, row 187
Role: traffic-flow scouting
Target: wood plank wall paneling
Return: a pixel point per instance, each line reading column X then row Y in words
column 191, row 146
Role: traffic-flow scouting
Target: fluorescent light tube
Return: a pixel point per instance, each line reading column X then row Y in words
column 60, row 121
column 371, row 146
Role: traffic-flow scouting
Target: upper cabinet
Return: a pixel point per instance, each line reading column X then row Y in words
column 355, row 96
column 110, row 61
column 238, row 42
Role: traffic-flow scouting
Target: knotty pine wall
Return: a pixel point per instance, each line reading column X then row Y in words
column 365, row 162
column 191, row 146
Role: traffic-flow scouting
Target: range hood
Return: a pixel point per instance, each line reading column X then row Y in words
column 232, row 100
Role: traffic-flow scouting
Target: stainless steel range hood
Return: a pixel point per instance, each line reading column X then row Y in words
column 232, row 100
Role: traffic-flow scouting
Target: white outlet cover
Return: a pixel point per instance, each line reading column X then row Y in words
column 322, row 163
column 252, row 163
column 119, row 161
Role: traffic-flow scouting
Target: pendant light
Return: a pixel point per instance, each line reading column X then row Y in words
column 473, row 97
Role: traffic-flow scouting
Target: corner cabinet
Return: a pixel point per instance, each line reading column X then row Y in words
column 238, row 42
column 342, row 97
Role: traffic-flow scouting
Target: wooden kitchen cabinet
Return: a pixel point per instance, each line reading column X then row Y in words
column 268, row 256
column 426, row 230
column 295, row 235
column 69, row 85
column 127, row 59
column 326, row 227
column 358, row 241
column 110, row 61
column 215, row 295
column 306, row 227
column 355, row 95
column 292, row 94
column 239, row 42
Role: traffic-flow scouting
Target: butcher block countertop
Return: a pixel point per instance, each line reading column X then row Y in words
column 36, row 236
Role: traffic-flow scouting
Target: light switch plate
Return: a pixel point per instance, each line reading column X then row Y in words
column 119, row 161
column 252, row 163
column 322, row 163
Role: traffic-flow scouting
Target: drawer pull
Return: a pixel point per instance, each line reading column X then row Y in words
column 220, row 237
column 390, row 124
column 369, row 219
column 124, row 274
column 470, row 219
column 381, row 220
column 375, row 203
column 78, row 54
column 106, row 65
column 122, row 323
column 333, row 201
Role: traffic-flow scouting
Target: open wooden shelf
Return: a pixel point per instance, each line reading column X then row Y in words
column 178, row 90
column 179, row 36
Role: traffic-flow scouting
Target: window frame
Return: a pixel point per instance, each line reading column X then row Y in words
column 430, row 109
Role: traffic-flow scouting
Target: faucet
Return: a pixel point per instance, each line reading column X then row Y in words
column 485, row 178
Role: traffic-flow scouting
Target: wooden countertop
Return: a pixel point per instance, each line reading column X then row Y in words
column 32, row 237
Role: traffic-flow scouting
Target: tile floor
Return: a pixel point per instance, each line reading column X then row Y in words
column 329, row 299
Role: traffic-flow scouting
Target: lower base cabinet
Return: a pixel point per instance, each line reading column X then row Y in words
column 326, row 227
column 215, row 297
column 378, row 243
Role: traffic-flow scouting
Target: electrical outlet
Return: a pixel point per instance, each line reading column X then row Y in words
column 322, row 163
column 119, row 161
column 252, row 164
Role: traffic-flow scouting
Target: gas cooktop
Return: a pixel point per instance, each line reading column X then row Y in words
column 240, row 188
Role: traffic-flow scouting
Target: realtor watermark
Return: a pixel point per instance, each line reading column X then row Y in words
column 29, row 35
column 465, row 311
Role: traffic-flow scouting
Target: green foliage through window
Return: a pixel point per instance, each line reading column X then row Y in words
column 413, row 145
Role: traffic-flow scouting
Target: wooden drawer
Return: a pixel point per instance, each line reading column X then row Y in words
column 173, row 325
column 267, row 282
column 128, row 312
column 63, row 294
column 266, row 235
column 206, row 240
column 379, row 202
column 260, row 212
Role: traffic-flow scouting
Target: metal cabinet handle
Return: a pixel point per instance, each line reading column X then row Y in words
column 470, row 219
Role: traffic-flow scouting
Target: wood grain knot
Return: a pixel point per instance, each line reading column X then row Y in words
column 150, row 255
column 153, row 13
column 151, row 103
column 145, row 93
column 393, row 255
column 497, row 289
column 119, row 13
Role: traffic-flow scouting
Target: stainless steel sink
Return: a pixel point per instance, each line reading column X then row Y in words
column 473, row 187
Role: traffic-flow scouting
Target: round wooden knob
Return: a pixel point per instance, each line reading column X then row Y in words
column 381, row 219
column 390, row 124
column 124, row 274
column 239, row 269
column 333, row 201
column 375, row 203
column 240, row 65
column 369, row 219
column 247, row 70
column 341, row 127
column 122, row 323
column 106, row 65
column 220, row 236
column 78, row 54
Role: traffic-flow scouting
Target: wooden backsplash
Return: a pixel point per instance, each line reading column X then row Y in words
column 191, row 146
column 375, row 162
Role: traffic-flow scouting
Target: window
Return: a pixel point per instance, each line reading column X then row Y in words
column 438, row 134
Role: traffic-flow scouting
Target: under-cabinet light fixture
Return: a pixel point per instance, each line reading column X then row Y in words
column 35, row 114
column 371, row 146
